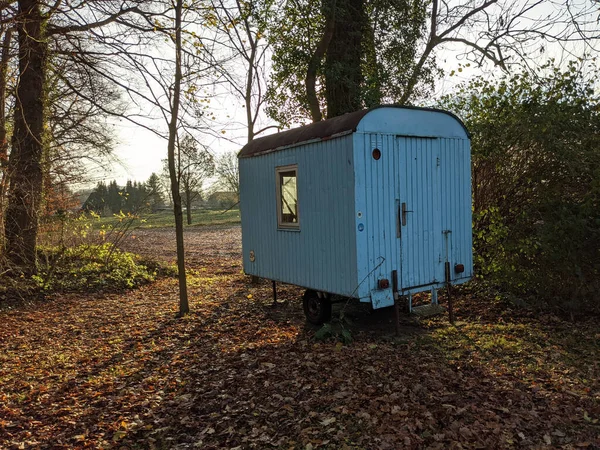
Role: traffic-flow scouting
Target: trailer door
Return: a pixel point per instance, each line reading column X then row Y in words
column 419, row 223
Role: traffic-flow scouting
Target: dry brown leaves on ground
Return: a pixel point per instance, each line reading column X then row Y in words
column 120, row 371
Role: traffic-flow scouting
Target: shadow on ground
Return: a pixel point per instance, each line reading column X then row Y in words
column 119, row 371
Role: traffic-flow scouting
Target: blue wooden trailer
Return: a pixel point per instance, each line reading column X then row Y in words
column 374, row 205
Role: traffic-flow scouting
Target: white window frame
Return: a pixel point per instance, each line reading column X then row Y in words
column 280, row 223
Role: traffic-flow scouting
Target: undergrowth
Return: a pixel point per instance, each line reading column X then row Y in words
column 91, row 268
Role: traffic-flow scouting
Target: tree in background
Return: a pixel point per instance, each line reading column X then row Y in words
column 536, row 181
column 155, row 192
column 71, row 45
column 343, row 72
column 169, row 66
column 385, row 52
column 194, row 167
column 337, row 56
column 170, row 73
column 114, row 198
column 75, row 129
column 241, row 28
column 58, row 198
column 227, row 171
column 134, row 197
column 78, row 133
column 97, row 200
column 294, row 35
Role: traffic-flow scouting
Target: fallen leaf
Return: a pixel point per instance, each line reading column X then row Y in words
column 119, row 435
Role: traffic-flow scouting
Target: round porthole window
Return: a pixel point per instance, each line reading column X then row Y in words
column 376, row 154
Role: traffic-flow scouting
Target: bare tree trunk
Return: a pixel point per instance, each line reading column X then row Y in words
column 188, row 206
column 248, row 96
column 343, row 74
column 184, row 307
column 315, row 60
column 4, row 59
column 371, row 71
column 25, row 167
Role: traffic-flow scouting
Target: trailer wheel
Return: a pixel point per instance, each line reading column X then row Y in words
column 317, row 309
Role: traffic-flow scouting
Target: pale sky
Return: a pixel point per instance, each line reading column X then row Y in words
column 141, row 152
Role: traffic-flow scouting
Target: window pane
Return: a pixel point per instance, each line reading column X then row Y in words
column 289, row 197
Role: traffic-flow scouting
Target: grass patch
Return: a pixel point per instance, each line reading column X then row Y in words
column 486, row 339
column 552, row 352
column 166, row 219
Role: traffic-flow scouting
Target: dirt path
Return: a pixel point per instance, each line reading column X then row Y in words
column 120, row 371
column 203, row 244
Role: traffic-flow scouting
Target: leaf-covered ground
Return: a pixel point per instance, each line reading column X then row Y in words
column 120, row 371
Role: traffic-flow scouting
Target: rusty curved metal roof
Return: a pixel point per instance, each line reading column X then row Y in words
column 346, row 123
column 317, row 130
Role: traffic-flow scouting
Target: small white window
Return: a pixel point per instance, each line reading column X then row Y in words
column 287, row 197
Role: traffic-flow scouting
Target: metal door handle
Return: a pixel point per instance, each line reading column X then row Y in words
column 404, row 211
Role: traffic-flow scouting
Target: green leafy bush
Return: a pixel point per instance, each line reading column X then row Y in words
column 92, row 268
column 338, row 329
column 536, row 183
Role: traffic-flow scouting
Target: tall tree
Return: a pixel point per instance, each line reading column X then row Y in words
column 78, row 132
column 228, row 173
column 184, row 307
column 7, row 38
column 35, row 27
column 169, row 63
column 294, row 34
column 343, row 61
column 333, row 56
column 155, row 190
column 240, row 29
column 398, row 57
column 25, row 192
column 114, row 197
column 194, row 166
column 391, row 43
